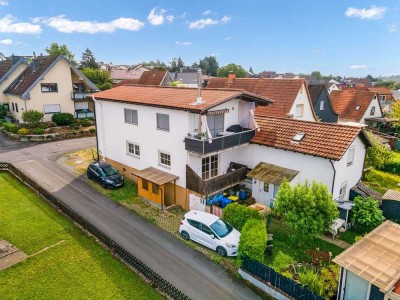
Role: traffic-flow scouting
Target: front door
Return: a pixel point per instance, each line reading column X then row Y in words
column 215, row 124
column 264, row 197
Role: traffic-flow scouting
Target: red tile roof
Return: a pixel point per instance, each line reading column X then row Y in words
column 351, row 104
column 125, row 74
column 126, row 81
column 282, row 91
column 382, row 90
column 5, row 66
column 321, row 139
column 152, row 77
column 175, row 98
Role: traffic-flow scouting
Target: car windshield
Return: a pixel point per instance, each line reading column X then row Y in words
column 221, row 228
column 109, row 171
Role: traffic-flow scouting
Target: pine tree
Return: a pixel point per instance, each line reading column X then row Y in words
column 88, row 60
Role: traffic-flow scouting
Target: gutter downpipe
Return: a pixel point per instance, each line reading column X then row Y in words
column 334, row 175
column 97, row 132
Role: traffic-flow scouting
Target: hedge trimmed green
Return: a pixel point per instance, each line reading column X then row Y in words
column 253, row 240
column 237, row 215
column 10, row 127
column 38, row 130
column 62, row 119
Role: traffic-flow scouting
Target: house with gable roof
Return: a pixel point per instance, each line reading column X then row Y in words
column 291, row 97
column 50, row 84
column 322, row 103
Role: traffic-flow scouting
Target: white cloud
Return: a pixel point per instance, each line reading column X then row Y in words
column 201, row 23
column 183, row 43
column 208, row 12
column 228, row 38
column 62, row 24
column 3, row 3
column 374, row 13
column 8, row 25
column 157, row 16
column 6, row 42
column 393, row 27
column 358, row 67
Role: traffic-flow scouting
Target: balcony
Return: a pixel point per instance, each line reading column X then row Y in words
column 215, row 184
column 80, row 95
column 218, row 143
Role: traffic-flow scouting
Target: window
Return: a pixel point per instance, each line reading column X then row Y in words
column 209, row 166
column 343, row 190
column 51, row 108
column 276, row 189
column 266, row 187
column 155, row 188
column 350, row 158
column 49, row 87
column 163, row 122
column 206, row 229
column 195, row 224
column 299, row 110
column 145, row 184
column 372, row 111
column 322, row 105
column 215, row 124
column 298, row 137
column 131, row 116
column 164, row 159
column 16, row 107
column 133, row 149
column 13, row 107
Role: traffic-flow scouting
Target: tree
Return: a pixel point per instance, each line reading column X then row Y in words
column 101, row 78
column 253, row 240
column 251, row 70
column 32, row 117
column 3, row 110
column 236, row 69
column 208, row 65
column 88, row 60
column 395, row 113
column 154, row 64
column 306, row 207
column 377, row 155
column 316, row 74
column 55, row 49
column 366, row 213
column 180, row 63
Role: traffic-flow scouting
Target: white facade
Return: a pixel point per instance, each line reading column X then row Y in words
column 333, row 87
column 302, row 103
column 374, row 107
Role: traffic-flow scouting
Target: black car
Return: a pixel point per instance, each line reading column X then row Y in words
column 105, row 174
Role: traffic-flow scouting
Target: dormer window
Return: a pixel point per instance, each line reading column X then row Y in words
column 372, row 111
column 49, row 87
column 298, row 137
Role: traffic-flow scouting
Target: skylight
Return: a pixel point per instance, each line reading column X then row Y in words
column 298, row 137
column 357, row 107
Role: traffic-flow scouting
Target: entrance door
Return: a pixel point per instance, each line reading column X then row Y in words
column 264, row 197
column 215, row 124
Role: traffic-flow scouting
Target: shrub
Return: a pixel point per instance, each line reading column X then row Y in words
column 32, row 117
column 86, row 123
column 253, row 239
column 324, row 282
column 23, row 131
column 366, row 213
column 75, row 127
column 38, row 131
column 10, row 127
column 392, row 167
column 62, row 119
column 92, row 130
column 237, row 215
column 311, row 279
column 377, row 155
column 282, row 262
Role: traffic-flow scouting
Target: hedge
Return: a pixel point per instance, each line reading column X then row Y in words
column 10, row 127
column 62, row 119
column 237, row 215
column 253, row 240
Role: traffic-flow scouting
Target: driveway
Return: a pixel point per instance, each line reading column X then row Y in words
column 188, row 270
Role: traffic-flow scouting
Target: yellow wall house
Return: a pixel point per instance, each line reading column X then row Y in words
column 50, row 84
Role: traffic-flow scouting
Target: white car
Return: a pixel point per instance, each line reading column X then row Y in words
column 210, row 231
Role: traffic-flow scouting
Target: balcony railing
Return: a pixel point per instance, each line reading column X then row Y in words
column 219, row 183
column 218, row 143
column 84, row 114
column 80, row 95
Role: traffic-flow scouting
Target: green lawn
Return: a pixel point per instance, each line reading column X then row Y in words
column 76, row 268
column 295, row 244
column 350, row 235
column 381, row 181
column 125, row 193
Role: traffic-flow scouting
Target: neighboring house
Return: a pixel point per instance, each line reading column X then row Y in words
column 353, row 82
column 356, row 106
column 182, row 152
column 155, row 77
column 332, row 87
column 10, row 69
column 322, row 103
column 127, row 75
column 290, row 96
column 385, row 97
column 50, row 84
column 185, row 79
column 370, row 269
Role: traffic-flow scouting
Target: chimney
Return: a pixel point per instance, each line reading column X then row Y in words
column 35, row 63
column 14, row 58
column 231, row 76
column 199, row 84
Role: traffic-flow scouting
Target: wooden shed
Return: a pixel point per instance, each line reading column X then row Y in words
column 391, row 205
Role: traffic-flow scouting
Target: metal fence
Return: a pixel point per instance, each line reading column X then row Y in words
column 277, row 280
column 123, row 254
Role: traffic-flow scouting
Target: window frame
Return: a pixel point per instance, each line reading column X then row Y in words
column 350, row 156
column 372, row 112
column 209, row 168
column 134, row 154
column 160, row 163
column 48, row 85
column 155, row 188
column 157, row 122
column 51, row 112
column 16, row 107
column 322, row 105
column 132, row 116
column 302, row 110
column 13, row 107
column 192, row 222
column 145, row 182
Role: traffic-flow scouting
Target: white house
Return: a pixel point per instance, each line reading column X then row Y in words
column 291, row 97
column 180, row 148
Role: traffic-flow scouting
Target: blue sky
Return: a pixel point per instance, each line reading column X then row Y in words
column 346, row 37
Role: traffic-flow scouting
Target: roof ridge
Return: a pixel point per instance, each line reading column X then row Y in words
column 184, row 88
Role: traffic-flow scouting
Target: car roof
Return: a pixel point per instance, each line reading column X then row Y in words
column 202, row 217
column 101, row 164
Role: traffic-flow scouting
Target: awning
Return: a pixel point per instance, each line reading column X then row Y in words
column 155, row 175
column 271, row 173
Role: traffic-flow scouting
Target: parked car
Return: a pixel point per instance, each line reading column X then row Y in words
column 210, row 231
column 105, row 174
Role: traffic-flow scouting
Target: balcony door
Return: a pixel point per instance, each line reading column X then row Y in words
column 215, row 124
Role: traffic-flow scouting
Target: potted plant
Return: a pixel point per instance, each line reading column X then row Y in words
column 202, row 136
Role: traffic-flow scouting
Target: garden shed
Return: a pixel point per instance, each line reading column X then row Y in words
column 391, row 205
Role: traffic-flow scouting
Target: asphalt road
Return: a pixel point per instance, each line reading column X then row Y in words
column 188, row 270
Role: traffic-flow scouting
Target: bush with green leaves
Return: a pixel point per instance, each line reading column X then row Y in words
column 75, row 126
column 237, row 215
column 282, row 262
column 38, row 131
column 306, row 207
column 92, row 130
column 10, row 127
column 323, row 282
column 86, row 123
column 32, row 117
column 378, row 155
column 366, row 213
column 23, row 131
column 3, row 110
column 62, row 119
column 312, row 280
column 253, row 240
